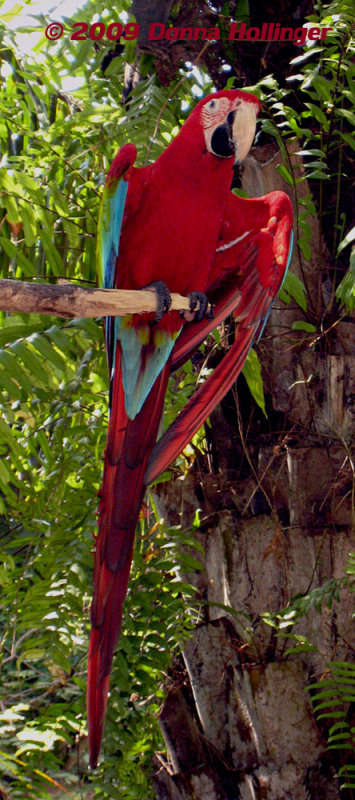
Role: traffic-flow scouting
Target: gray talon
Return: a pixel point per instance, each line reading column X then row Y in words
column 204, row 308
column 163, row 298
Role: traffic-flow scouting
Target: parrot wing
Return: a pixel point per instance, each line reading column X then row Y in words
column 111, row 214
column 256, row 261
column 109, row 230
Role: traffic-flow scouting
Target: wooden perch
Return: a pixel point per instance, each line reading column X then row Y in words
column 68, row 300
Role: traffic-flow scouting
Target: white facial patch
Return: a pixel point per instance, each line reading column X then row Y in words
column 215, row 112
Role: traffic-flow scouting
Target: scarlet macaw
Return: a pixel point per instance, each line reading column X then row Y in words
column 176, row 221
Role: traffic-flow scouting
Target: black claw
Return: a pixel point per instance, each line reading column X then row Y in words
column 163, row 298
column 199, row 301
column 210, row 311
column 193, row 301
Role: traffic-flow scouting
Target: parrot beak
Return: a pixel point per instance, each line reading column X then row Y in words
column 244, row 126
column 234, row 137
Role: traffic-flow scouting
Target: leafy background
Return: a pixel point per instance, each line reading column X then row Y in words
column 56, row 146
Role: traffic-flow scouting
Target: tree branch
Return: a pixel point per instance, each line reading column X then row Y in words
column 68, row 300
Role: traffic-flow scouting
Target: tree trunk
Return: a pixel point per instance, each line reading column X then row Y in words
column 276, row 522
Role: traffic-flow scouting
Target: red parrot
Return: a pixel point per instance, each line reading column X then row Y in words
column 173, row 225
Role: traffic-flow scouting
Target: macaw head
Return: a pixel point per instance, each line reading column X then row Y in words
column 228, row 121
column 222, row 125
column 220, row 130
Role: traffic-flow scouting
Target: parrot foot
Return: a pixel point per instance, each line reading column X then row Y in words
column 199, row 307
column 163, row 297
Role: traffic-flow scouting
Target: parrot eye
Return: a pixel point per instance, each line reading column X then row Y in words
column 212, row 106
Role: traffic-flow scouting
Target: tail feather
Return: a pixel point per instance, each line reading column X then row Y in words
column 103, row 640
column 118, row 416
column 96, row 696
column 121, row 496
column 200, row 405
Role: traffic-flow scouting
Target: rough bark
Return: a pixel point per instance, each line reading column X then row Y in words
column 276, row 510
column 68, row 300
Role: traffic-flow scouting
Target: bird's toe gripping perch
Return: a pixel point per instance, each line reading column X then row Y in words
column 200, row 307
column 163, row 298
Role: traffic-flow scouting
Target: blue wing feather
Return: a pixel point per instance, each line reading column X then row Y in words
column 112, row 210
column 283, row 280
column 110, row 223
column 109, row 232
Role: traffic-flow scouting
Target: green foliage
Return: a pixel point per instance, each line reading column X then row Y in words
column 322, row 120
column 53, row 402
column 333, row 695
column 346, row 290
column 331, row 699
column 300, row 606
column 252, row 375
column 293, row 287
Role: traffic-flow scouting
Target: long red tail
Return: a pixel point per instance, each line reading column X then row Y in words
column 251, row 308
column 129, row 443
